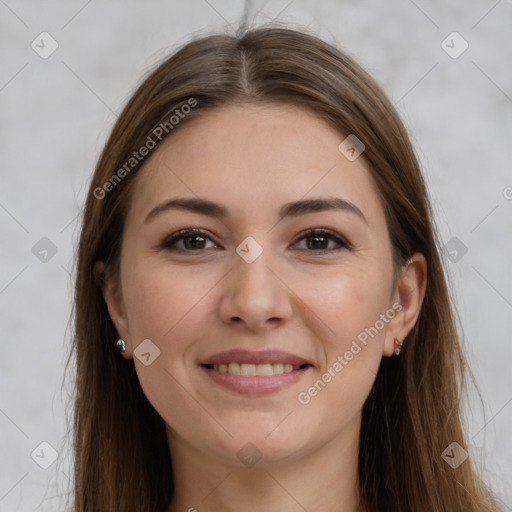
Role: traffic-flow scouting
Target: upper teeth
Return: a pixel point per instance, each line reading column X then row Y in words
column 253, row 370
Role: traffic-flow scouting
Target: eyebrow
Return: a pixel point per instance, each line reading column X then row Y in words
column 292, row 209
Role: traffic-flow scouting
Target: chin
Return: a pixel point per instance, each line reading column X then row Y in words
column 254, row 446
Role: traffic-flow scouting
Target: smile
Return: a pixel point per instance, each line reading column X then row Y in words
column 255, row 370
column 255, row 379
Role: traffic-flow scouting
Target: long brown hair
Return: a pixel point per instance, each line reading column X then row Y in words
column 413, row 412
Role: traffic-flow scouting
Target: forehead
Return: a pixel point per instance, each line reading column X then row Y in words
column 253, row 158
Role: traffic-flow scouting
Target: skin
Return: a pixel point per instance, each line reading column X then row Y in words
column 191, row 305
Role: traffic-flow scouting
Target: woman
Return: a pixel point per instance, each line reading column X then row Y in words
column 262, row 318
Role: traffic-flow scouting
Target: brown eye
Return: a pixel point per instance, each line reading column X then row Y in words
column 193, row 240
column 323, row 240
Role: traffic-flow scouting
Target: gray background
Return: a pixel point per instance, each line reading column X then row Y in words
column 57, row 112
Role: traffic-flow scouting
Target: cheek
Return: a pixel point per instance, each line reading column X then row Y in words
column 159, row 300
column 349, row 314
column 167, row 305
column 347, row 302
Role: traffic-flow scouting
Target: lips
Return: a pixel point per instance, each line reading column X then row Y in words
column 255, row 372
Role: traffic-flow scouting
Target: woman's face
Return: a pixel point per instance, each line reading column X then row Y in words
column 259, row 331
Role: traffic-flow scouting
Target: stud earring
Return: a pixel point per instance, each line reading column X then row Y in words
column 121, row 346
column 398, row 346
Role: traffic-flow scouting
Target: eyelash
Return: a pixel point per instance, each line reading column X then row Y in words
column 169, row 242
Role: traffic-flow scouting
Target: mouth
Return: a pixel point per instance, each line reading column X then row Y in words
column 255, row 372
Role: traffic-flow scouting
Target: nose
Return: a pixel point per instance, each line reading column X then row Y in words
column 254, row 295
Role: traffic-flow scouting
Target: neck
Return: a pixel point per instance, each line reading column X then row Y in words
column 322, row 480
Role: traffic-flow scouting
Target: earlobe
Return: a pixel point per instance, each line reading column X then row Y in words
column 113, row 298
column 409, row 292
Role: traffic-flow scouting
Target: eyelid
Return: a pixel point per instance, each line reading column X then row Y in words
column 340, row 239
column 182, row 234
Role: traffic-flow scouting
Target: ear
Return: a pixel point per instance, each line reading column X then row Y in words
column 111, row 289
column 409, row 293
